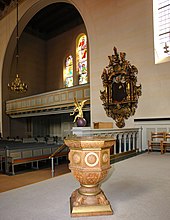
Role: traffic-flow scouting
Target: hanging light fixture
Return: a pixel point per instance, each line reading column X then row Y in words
column 17, row 85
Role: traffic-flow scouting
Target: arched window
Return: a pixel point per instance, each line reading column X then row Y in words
column 68, row 72
column 81, row 59
column 161, row 12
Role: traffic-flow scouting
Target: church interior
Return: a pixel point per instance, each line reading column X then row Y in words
column 80, row 68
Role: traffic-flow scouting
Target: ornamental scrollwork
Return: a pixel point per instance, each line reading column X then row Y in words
column 121, row 92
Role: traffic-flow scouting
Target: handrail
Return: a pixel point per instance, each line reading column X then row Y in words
column 53, row 155
column 57, row 151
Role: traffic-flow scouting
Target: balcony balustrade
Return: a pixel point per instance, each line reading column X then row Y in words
column 55, row 102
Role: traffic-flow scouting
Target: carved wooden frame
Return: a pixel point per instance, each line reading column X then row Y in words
column 120, row 94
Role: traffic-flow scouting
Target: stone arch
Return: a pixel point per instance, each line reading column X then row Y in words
column 30, row 11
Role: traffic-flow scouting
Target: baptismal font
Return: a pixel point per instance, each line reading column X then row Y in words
column 89, row 163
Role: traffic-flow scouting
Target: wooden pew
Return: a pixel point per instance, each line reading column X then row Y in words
column 2, row 160
column 13, row 162
column 156, row 142
column 23, row 153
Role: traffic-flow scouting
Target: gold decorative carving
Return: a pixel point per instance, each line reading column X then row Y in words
column 89, row 163
column 105, row 157
column 76, row 158
column 80, row 200
column 89, row 177
column 121, row 92
column 91, row 159
column 79, row 109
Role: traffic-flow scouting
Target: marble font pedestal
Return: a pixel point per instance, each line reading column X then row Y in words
column 89, row 163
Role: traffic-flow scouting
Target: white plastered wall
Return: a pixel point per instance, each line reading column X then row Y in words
column 126, row 24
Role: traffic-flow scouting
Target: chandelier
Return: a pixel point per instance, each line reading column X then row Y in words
column 17, row 85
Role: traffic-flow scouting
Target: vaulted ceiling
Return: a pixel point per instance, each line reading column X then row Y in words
column 52, row 20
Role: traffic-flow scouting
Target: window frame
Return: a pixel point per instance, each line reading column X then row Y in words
column 159, row 49
column 66, row 74
column 83, row 61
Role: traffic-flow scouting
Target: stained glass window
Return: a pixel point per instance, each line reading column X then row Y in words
column 68, row 73
column 82, row 59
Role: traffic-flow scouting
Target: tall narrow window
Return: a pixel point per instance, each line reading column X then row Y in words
column 161, row 11
column 68, row 73
column 82, row 59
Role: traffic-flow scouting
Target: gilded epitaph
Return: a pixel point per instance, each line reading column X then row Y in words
column 121, row 92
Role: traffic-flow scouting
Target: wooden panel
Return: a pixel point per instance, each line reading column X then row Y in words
column 27, row 153
column 15, row 155
column 98, row 125
column 47, row 151
column 47, row 101
column 37, row 152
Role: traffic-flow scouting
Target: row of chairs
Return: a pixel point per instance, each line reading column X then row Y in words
column 159, row 140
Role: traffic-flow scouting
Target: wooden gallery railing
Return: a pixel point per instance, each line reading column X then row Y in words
column 126, row 144
column 54, row 102
column 128, row 141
